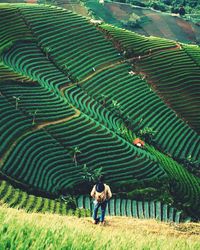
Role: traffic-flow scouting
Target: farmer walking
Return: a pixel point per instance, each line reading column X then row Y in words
column 101, row 194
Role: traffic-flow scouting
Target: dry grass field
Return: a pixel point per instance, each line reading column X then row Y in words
column 21, row 230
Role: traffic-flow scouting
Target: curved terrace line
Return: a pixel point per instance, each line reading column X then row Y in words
column 36, row 128
column 106, row 66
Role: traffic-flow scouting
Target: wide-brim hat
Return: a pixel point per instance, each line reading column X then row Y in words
column 100, row 187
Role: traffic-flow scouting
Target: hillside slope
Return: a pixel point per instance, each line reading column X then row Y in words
column 174, row 74
column 150, row 22
column 20, row 230
column 69, row 100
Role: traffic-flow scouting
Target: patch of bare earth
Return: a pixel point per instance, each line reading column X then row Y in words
column 187, row 28
column 117, row 11
column 162, row 26
column 31, row 1
column 75, row 7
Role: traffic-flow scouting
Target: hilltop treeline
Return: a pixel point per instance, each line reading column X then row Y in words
column 192, row 6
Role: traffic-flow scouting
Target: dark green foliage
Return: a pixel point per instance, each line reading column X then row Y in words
column 69, row 201
column 161, row 194
column 181, row 11
column 137, row 3
column 191, row 165
column 127, row 186
column 91, row 175
column 167, row 2
column 163, row 5
column 157, row 189
column 99, row 134
column 158, row 6
column 184, row 186
column 128, row 207
column 14, row 197
column 147, row 134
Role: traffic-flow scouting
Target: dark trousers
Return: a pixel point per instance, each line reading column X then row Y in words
column 103, row 210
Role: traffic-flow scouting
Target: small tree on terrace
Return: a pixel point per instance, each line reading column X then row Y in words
column 104, row 99
column 74, row 152
column 126, row 133
column 147, row 134
column 34, row 116
column 117, row 108
column 91, row 175
column 47, row 51
column 17, row 99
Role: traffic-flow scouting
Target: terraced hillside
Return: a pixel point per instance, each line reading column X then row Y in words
column 82, row 206
column 174, row 74
column 16, row 198
column 69, row 98
column 145, row 21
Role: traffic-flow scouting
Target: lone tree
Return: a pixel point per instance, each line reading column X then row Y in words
column 90, row 174
column 74, row 152
column 17, row 99
column 33, row 116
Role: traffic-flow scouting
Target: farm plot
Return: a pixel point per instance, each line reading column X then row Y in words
column 145, row 109
column 84, row 92
column 100, row 147
column 137, row 209
column 41, row 162
column 17, row 198
column 176, row 77
column 187, row 188
column 72, row 42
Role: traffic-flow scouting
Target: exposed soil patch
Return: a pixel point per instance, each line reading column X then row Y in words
column 158, row 26
column 187, row 28
column 157, row 23
column 77, row 8
column 31, row 1
column 118, row 12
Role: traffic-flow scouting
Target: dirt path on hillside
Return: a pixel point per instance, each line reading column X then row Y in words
column 98, row 70
column 43, row 125
column 107, row 66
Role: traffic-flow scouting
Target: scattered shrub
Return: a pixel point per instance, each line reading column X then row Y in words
column 69, row 201
column 158, row 6
column 151, row 194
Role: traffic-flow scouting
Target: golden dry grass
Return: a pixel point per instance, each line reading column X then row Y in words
column 63, row 232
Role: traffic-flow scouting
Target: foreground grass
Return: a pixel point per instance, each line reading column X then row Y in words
column 21, row 230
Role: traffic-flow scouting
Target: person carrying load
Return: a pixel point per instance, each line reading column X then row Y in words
column 101, row 194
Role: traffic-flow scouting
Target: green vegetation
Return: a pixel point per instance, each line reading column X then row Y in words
column 97, row 11
column 187, row 9
column 71, row 105
column 14, row 197
column 192, row 6
column 137, row 208
column 135, row 44
column 129, row 42
column 82, row 206
column 20, row 230
column 178, row 60
column 187, row 185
